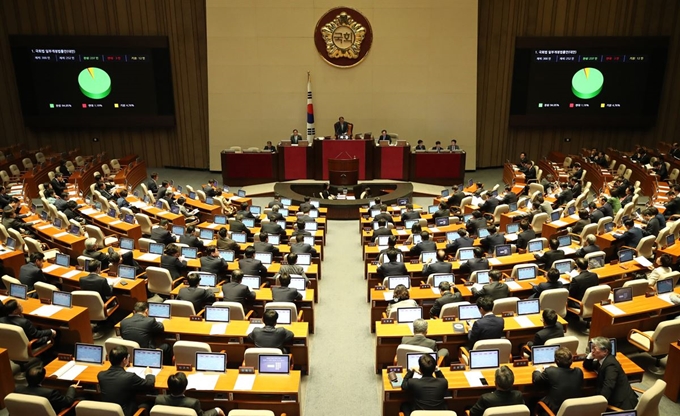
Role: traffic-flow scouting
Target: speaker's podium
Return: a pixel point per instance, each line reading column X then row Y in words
column 343, row 172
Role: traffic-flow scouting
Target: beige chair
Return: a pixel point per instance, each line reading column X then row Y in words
column 503, row 345
column 569, row 342
column 555, row 299
column 648, row 402
column 160, row 282
column 29, row 404
column 500, row 210
column 451, row 309
column 45, row 290
column 294, row 315
column 80, row 161
column 586, row 231
column 640, row 286
column 465, row 201
column 627, row 173
column 505, row 305
column 236, row 312
column 251, row 355
column 162, row 410
column 102, row 241
column 535, row 187
column 582, row 406
column 34, row 246
column 645, row 247
column 3, row 234
column 20, row 243
column 144, row 188
column 673, row 175
column 403, row 349
column 82, row 260
column 28, row 164
column 660, row 240
column 165, row 204
column 514, row 410
column 248, row 412
column 185, row 351
column 98, row 310
column 601, row 222
column 7, row 280
column 145, row 223
column 144, row 243
column 200, row 195
column 115, row 165
column 51, row 175
column 15, row 171
column 674, row 275
column 182, row 308
column 656, row 343
column 592, row 296
column 97, row 408
column 112, row 343
column 152, row 197
column 538, row 221
column 107, row 172
column 189, row 189
column 19, row 347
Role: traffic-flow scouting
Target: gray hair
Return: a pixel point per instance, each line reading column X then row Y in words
column 505, row 378
column 590, row 239
column 420, row 326
column 90, row 243
column 602, row 343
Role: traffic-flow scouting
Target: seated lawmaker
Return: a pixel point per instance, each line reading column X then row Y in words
column 612, row 381
column 177, row 385
column 428, row 391
column 270, row 336
column 489, row 326
column 12, row 313
column 504, row 395
column 58, row 401
column 284, row 293
column 449, row 294
column 439, row 265
column 551, row 328
column 562, row 382
column 121, row 387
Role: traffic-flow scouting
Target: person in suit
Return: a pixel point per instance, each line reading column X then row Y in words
column 62, row 202
column 552, row 255
column 299, row 229
column 589, row 246
column 425, row 244
column 606, row 206
column 295, row 137
column 530, row 171
column 225, row 243
column 120, row 387
column 235, row 291
column 447, row 296
column 552, row 283
column 400, row 299
column 581, row 282
column 632, row 236
column 456, row 197
column 293, row 268
column 416, row 229
column 476, row 222
column 523, row 158
column 420, row 145
column 95, row 282
column 177, row 385
column 672, row 207
column 462, row 241
column 410, row 214
column 562, row 382
column 277, row 198
column 263, row 245
column 237, row 226
column 384, row 215
column 675, row 151
column 381, row 230
column 489, row 205
column 595, row 213
column 269, row 147
column 92, row 251
column 564, row 196
column 438, row 266
column 270, row 336
column 301, row 247
column 427, row 392
column 340, row 127
column 384, row 137
column 479, row 262
column 199, row 297
column 163, row 190
column 272, row 227
column 504, row 395
column 152, row 184
column 453, row 145
column 612, row 382
column 143, row 329
column 663, row 266
column 245, row 211
column 437, row 146
column 189, row 218
column 525, row 235
column 250, row 265
column 213, row 263
column 495, row 289
column 274, row 215
column 306, row 203
column 584, row 219
column 575, row 187
column 190, row 237
column 489, row 326
column 161, row 234
column 653, row 226
column 420, row 338
column 12, row 313
column 34, row 378
column 443, row 211
column 551, row 328
column 578, row 171
column 283, row 293
column 58, row 184
column 31, row 272
column 492, row 240
column 172, row 262
column 392, row 267
column 509, row 197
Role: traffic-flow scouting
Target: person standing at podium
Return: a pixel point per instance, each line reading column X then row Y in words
column 295, row 137
column 341, row 127
column 384, row 137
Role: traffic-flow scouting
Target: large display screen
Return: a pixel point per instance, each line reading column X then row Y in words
column 588, row 81
column 94, row 80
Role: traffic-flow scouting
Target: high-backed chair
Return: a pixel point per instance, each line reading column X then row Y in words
column 601, row 222
column 593, row 295
column 145, row 223
column 640, row 286
column 95, row 232
column 185, row 351
column 251, row 357
column 504, row 345
column 34, row 246
column 16, row 235
column 656, row 343
column 674, row 275
column 152, row 197
column 28, row 164
column 182, row 308
column 535, row 187
column 144, row 243
column 45, row 290
column 30, row 404
column 648, row 402
column 15, row 171
column 538, row 221
column 160, row 282
column 505, row 305
column 115, row 165
column 555, row 299
column 645, row 247
column 98, row 310
column 582, row 406
column 19, row 347
column 97, row 408
column 294, row 315
column 162, row 410
column 586, row 231
column 7, row 280
column 465, row 201
column 403, row 349
column 112, row 343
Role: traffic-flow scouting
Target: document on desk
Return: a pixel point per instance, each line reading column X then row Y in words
column 44, row 227
column 524, row 321
column 251, row 327
column 59, row 235
column 474, row 378
column 46, row 310
column 140, row 371
column 574, row 216
column 218, row 329
column 568, row 250
column 50, row 268
column 88, row 211
column 514, row 285
column 402, row 232
column 199, row 381
column 666, row 297
column 510, row 237
column 388, row 296
column 69, row 371
column 477, row 287
column 213, row 226
column 71, row 274
column 434, row 230
column 613, row 310
column 116, row 222
column 494, row 261
column 642, row 261
column 558, row 223
column 149, row 257
column 244, row 382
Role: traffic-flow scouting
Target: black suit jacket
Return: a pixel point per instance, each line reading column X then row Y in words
column 509, row 198
column 152, row 186
column 489, row 206
column 272, row 228
column 524, row 237
column 437, row 267
column 549, row 257
column 43, row 335
column 251, row 266
column 141, row 329
column 490, row 242
column 285, row 294
column 384, row 215
column 380, row 231
column 562, row 384
column 215, row 265
column 266, row 247
column 474, row 264
column 455, row 199
column 447, row 297
column 460, row 242
column 653, row 227
column 548, row 333
column 174, row 265
column 425, row 245
column 191, row 241
column 121, row 387
column 495, row 399
column 428, row 392
column 29, row 274
column 95, row 282
column 546, row 286
column 239, row 227
column 612, row 382
column 302, row 248
column 270, row 337
column 237, row 292
column 58, row 401
column 199, row 297
column 579, row 284
column 494, row 290
column 631, row 237
column 98, row 255
column 410, row 215
column 489, row 327
column 183, row 401
column 596, row 216
column 59, row 187
column 392, row 269
column 340, row 128
column 294, row 140
column 581, row 252
column 161, row 235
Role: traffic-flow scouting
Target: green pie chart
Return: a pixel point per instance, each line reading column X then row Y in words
column 587, row 83
column 94, row 83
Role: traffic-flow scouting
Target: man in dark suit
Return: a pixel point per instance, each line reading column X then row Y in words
column 550, row 256
column 552, row 283
column 283, row 293
column 272, row 227
column 301, row 247
column 564, row 196
column 672, row 207
column 31, row 272
column 632, row 236
column 606, row 206
column 580, row 283
column 489, row 326
column 456, row 197
column 525, row 235
column 492, row 240
column 299, row 228
column 213, row 263
column 462, row 241
column 384, row 137
column 578, row 171
column 237, row 226
column 551, row 328
column 62, row 202
column 584, row 219
column 95, row 282
column 612, row 381
column 438, row 266
column 341, row 127
column 420, row 145
column 589, row 246
column 170, row 260
column 235, row 291
column 92, row 251
column 163, row 190
column 199, row 297
column 393, row 267
column 270, row 336
column 295, row 137
column 447, row 297
column 381, row 230
column 495, row 289
column 34, row 378
column 453, row 146
column 575, row 187
column 509, row 197
column 177, row 385
column 143, row 329
column 530, row 171
column 410, row 214
column 489, row 205
column 58, row 184
column 245, row 211
column 476, row 222
column 653, row 227
column 479, row 262
column 504, row 395
column 420, row 338
column 384, row 215
column 120, row 387
column 251, row 266
column 306, row 203
column 562, row 382
column 190, row 237
column 264, row 246
column 161, row 234
column 425, row 244
column 427, row 392
column 151, row 184
column 595, row 213
column 15, row 316
column 443, row 211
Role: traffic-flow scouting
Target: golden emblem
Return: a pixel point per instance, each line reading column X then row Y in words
column 343, row 36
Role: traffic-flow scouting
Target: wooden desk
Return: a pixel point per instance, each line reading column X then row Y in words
column 39, row 175
column 280, row 393
column 155, row 214
column 133, row 174
column 6, row 376
column 55, row 238
column 462, row 395
column 112, row 226
column 73, row 324
column 672, row 376
column 13, row 260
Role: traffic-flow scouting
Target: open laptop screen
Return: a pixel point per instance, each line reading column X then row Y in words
column 63, row 260
column 61, row 299
column 512, row 228
column 466, row 312
column 484, row 359
column 394, row 281
column 413, row 357
column 284, row 317
column 156, row 248
column 216, row 314
column 664, row 286
column 127, row 243
column 239, row 237
column 564, row 240
column 208, row 279
column 89, row 353
column 206, row 234
column 623, row 294
column 544, row 354
column 274, row 364
column 159, row 310
column 190, row 252
column 466, row 253
column 264, row 256
column 304, row 259
column 178, row 230
column 227, row 255
column 626, row 255
column 126, row 272
column 253, row 282
column 503, row 250
column 220, row 219
column 528, row 307
column 526, row 273
column 211, row 361
column 409, row 223
column 142, row 357
column 444, row 277
column 18, row 291
column 249, row 222
column 482, row 277
column 563, row 266
column 535, row 246
column 406, row 315
column 429, row 256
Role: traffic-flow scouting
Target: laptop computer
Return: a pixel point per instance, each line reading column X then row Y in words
column 555, row 215
column 438, row 278
column 126, row 243
column 609, row 227
column 526, row 273
column 596, row 262
column 513, row 207
column 413, row 357
column 409, row 223
column 273, row 364
column 74, row 230
column 215, row 314
column 670, row 240
column 160, row 310
column 626, row 255
column 308, row 239
column 467, row 312
column 382, row 240
column 564, row 240
column 281, row 223
column 286, row 202
column 512, row 228
column 311, row 226
column 89, row 353
column 206, row 234
column 220, row 219
column 264, row 256
column 112, row 213
column 145, row 357
column 239, row 237
column 452, row 235
column 502, row 250
column 466, row 253
column 623, row 294
column 178, row 230
column 159, row 204
column 253, row 282
column 274, row 239
column 241, row 193
column 429, row 256
column 408, row 315
column 190, row 252
column 480, row 359
column 442, row 221
column 129, row 218
column 394, row 281
column 18, row 291
column 543, row 354
column 62, row 299
column 284, row 316
column 535, row 246
column 298, row 283
column 304, row 259
column 467, row 217
column 212, row 362
column 127, row 272
column 249, row 222
column 445, row 193
column 227, row 255
column 156, row 248
column 57, row 223
column 63, row 260
column 482, row 277
column 482, row 232
column 10, row 243
column 314, row 213
column 563, row 266
column 255, row 210
column 528, row 307
column 417, row 239
column 664, row 286
column 621, row 413
column 571, row 210
column 431, row 209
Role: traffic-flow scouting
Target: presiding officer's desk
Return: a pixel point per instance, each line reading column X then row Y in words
column 461, row 395
column 72, row 324
column 389, row 336
column 277, row 392
column 235, row 340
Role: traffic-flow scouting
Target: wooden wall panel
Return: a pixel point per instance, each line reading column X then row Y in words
column 183, row 21
column 500, row 21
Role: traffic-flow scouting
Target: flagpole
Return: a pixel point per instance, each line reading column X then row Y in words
column 311, row 131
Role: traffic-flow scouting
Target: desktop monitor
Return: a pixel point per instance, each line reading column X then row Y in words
column 438, row 278
column 408, row 315
column 253, row 282
column 626, row 255
column 156, row 248
column 207, row 279
column 89, row 353
column 544, row 354
column 206, row 234
column 623, row 294
column 480, row 359
column 564, row 240
column 429, row 256
column 452, row 235
column 286, row 202
column 413, row 357
column 18, row 291
column 239, row 237
column 215, row 362
column 284, row 316
column 61, row 299
column 513, row 207
column 241, row 193
column 482, row 232
column 466, row 312
column 264, row 256
column 297, row 283
column 255, row 210
column 512, row 228
column 394, row 281
column 190, row 252
column 126, row 243
column 664, row 286
column 308, row 239
column 442, row 221
column 159, row 310
column 126, row 272
column 563, row 266
column 526, row 273
column 274, row 239
column 178, row 230
column 609, row 227
column 482, row 276
column 216, row 314
column 63, row 260
column 409, row 223
column 528, row 307
column 555, row 215
column 304, row 259
column 382, row 240
column 466, row 253
column 503, row 250
column 431, row 209
column 143, row 357
column 273, row 364
column 220, row 219
column 445, row 193
column 249, row 222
